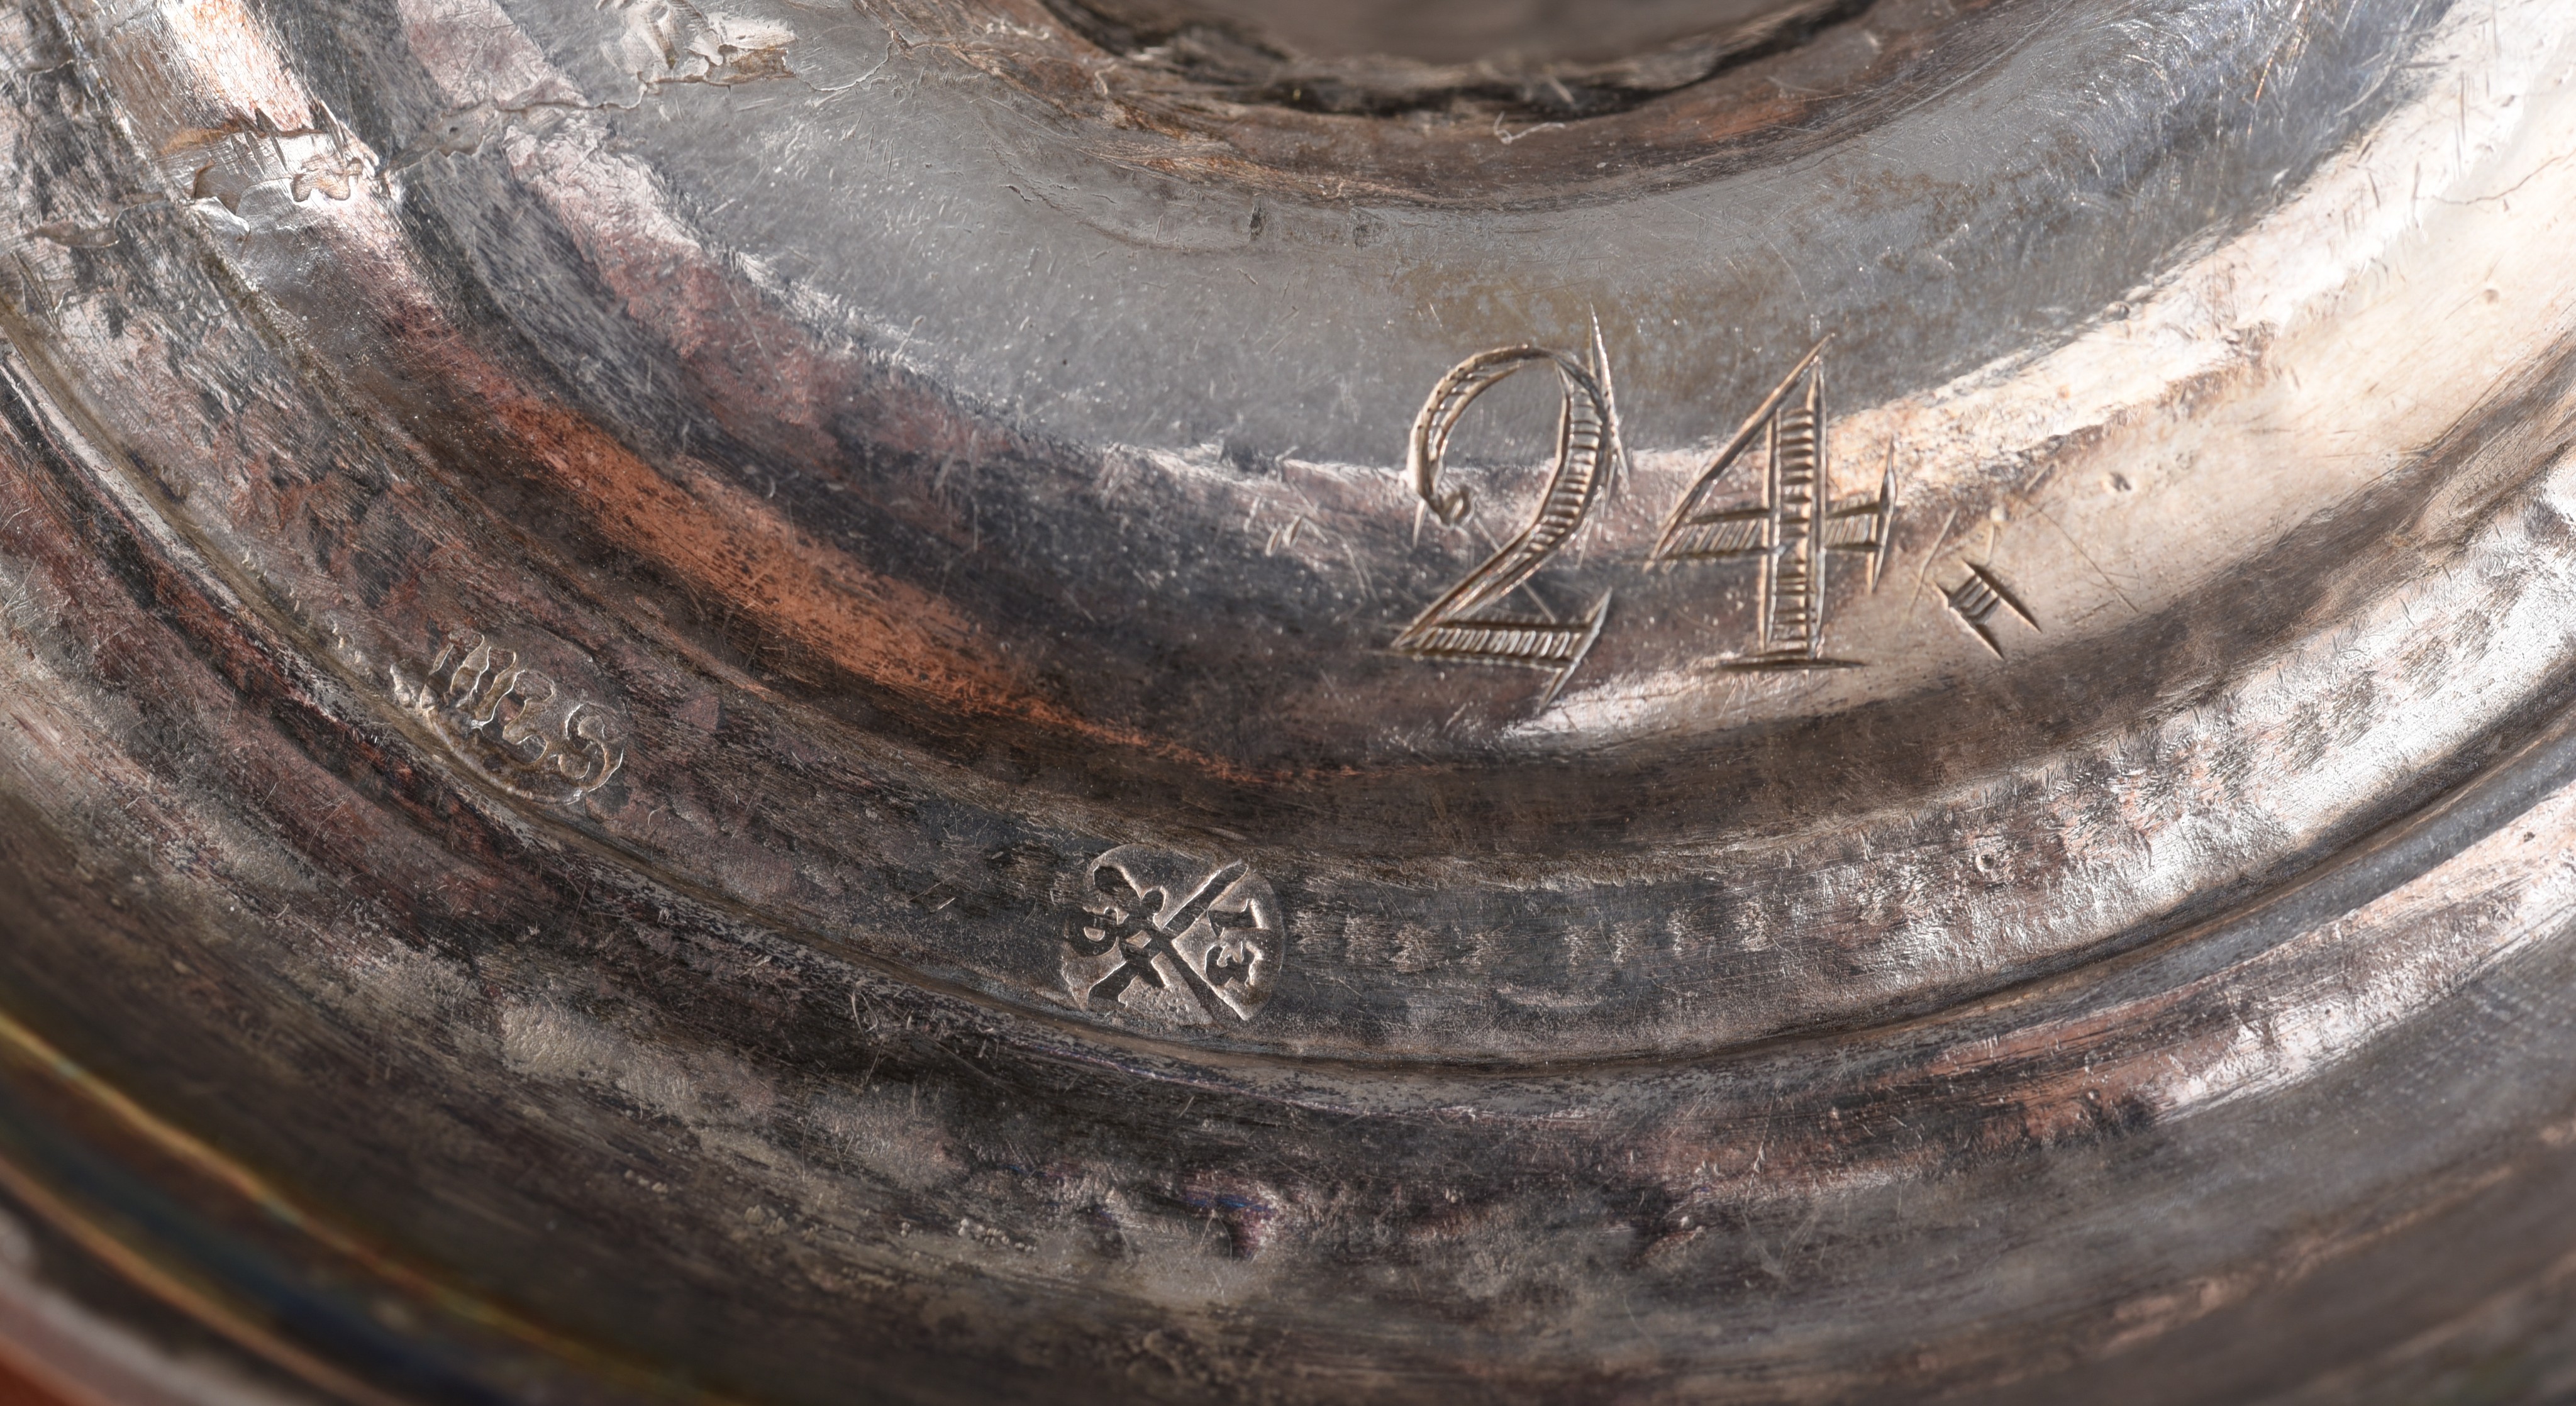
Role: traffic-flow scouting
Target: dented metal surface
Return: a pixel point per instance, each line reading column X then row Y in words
column 780, row 700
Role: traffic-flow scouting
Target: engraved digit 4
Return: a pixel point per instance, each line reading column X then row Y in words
column 1467, row 625
column 1795, row 527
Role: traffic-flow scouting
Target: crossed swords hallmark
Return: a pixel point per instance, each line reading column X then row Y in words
column 1169, row 937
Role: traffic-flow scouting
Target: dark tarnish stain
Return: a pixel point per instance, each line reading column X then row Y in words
column 1248, row 1211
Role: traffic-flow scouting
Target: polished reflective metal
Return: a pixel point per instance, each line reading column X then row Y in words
column 1746, row 701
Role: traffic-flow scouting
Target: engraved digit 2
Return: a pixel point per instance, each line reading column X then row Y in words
column 1464, row 625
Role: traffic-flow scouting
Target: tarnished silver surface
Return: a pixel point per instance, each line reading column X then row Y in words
column 1054, row 700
